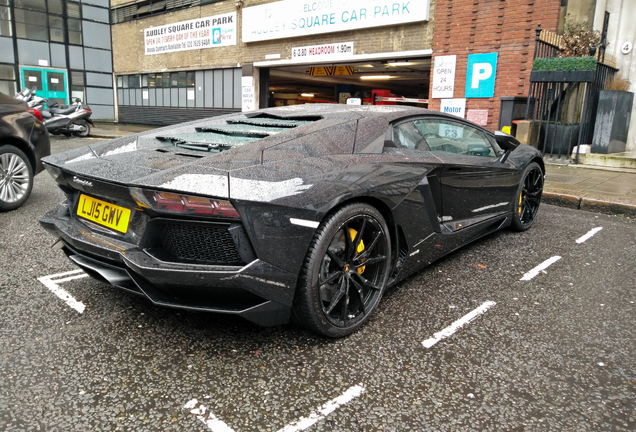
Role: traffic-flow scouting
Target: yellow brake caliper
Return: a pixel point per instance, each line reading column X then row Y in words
column 520, row 200
column 353, row 233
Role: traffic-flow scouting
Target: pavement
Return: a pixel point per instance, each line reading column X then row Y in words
column 583, row 187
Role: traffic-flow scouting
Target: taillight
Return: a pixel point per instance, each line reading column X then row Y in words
column 170, row 202
column 35, row 113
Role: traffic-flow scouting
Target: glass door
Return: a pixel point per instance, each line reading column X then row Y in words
column 48, row 83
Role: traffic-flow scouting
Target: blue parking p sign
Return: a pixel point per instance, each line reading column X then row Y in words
column 480, row 76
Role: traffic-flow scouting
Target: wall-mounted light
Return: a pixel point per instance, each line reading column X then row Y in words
column 239, row 3
column 307, row 94
column 376, row 77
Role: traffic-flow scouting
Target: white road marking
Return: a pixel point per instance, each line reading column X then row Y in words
column 538, row 269
column 322, row 412
column 52, row 281
column 450, row 330
column 217, row 425
column 211, row 421
column 588, row 235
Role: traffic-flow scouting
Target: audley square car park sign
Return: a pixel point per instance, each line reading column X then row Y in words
column 206, row 32
column 292, row 18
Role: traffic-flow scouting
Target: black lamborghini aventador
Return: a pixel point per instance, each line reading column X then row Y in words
column 303, row 212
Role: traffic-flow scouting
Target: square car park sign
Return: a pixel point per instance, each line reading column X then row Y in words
column 480, row 75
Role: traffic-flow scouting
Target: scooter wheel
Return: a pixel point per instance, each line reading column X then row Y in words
column 85, row 129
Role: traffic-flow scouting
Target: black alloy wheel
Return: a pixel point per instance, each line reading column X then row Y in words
column 345, row 272
column 528, row 198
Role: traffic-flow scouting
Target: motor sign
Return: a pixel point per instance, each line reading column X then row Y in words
column 456, row 107
column 480, row 75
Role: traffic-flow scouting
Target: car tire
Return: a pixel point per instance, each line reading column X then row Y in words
column 85, row 131
column 16, row 177
column 341, row 285
column 528, row 198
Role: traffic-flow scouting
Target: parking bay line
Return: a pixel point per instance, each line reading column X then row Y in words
column 217, row 425
column 450, row 330
column 588, row 235
column 538, row 269
column 52, row 281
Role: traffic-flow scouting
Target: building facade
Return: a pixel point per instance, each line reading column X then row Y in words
column 491, row 45
column 60, row 47
column 265, row 53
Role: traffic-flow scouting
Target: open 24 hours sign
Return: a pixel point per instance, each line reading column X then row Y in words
column 206, row 32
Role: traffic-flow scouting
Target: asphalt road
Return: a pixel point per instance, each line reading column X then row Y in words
column 555, row 352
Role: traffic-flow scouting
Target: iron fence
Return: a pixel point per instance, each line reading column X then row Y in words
column 563, row 113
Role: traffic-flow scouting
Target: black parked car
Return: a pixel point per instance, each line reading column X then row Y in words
column 307, row 212
column 23, row 142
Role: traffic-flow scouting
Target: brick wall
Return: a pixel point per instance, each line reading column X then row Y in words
column 129, row 56
column 464, row 27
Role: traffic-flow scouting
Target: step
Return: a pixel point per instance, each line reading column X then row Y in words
column 614, row 160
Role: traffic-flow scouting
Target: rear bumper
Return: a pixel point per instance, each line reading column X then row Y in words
column 258, row 291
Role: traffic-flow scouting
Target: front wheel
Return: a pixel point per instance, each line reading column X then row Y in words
column 16, row 178
column 528, row 198
column 345, row 271
column 82, row 128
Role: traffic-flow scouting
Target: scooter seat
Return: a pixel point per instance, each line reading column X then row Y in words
column 66, row 110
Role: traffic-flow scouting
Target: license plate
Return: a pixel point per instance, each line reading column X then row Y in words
column 103, row 213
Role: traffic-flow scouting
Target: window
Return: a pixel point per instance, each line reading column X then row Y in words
column 134, row 81
column 55, row 7
column 5, row 20
column 453, row 137
column 182, row 79
column 408, row 136
column 31, row 4
column 74, row 31
column 7, row 87
column 190, row 79
column 7, row 79
column 56, row 28
column 31, row 25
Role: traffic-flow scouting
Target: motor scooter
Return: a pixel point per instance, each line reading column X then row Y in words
column 59, row 119
column 68, row 119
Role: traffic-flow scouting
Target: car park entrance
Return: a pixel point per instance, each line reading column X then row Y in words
column 372, row 81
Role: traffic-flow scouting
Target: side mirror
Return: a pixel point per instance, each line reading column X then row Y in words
column 505, row 141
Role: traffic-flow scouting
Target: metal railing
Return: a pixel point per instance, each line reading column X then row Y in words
column 563, row 113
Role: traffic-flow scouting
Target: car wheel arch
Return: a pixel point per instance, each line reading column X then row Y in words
column 20, row 144
column 540, row 162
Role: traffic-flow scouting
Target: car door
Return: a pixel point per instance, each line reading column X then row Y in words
column 475, row 184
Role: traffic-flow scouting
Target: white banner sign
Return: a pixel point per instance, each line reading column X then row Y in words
column 207, row 32
column 292, row 18
column 333, row 51
column 444, row 76
column 456, row 107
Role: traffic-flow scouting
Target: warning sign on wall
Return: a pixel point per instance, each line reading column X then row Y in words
column 330, row 70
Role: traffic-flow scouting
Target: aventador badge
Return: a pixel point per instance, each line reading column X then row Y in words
column 82, row 182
